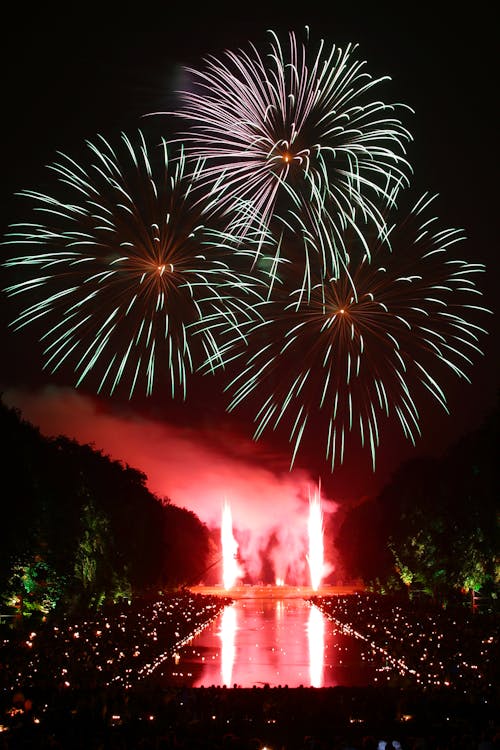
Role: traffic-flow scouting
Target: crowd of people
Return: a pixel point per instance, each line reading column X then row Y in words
column 448, row 647
column 88, row 683
column 116, row 645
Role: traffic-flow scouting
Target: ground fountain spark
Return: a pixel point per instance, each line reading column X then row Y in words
column 230, row 565
column 316, row 544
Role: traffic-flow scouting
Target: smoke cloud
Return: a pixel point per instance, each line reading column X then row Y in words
column 198, row 469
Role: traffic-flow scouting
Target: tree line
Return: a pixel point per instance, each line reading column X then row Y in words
column 433, row 530
column 79, row 529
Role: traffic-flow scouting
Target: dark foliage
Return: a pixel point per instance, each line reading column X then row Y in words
column 80, row 528
column 435, row 525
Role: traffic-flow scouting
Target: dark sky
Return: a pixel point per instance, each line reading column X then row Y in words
column 59, row 89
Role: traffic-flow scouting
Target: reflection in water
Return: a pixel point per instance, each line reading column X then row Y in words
column 280, row 609
column 228, row 627
column 267, row 641
column 316, row 638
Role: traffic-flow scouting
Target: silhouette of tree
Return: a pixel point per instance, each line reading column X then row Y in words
column 439, row 520
column 79, row 528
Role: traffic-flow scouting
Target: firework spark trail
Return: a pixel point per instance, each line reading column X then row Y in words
column 266, row 244
column 332, row 359
column 123, row 275
column 298, row 126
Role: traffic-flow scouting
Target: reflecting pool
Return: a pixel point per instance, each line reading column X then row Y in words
column 255, row 642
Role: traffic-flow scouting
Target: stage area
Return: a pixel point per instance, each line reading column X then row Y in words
column 275, row 592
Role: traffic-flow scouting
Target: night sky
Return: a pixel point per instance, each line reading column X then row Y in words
column 59, row 90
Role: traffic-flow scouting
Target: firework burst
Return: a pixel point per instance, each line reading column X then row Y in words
column 334, row 356
column 297, row 127
column 122, row 276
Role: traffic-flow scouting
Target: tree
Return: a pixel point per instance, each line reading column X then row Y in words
column 87, row 523
column 186, row 546
column 438, row 519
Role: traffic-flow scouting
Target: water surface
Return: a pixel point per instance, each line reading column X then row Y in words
column 277, row 642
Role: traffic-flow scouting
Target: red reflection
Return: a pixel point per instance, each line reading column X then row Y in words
column 228, row 627
column 264, row 641
column 316, row 638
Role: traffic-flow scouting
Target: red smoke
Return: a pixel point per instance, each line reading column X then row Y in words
column 197, row 469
